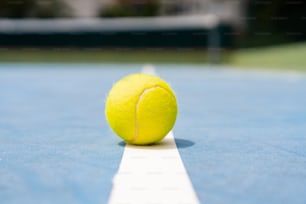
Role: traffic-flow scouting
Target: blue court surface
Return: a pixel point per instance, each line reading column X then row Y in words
column 241, row 134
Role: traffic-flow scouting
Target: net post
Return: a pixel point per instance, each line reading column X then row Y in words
column 214, row 41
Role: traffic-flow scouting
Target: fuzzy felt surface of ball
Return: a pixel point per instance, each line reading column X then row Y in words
column 141, row 109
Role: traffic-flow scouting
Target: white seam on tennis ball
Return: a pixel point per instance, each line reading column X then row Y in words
column 146, row 90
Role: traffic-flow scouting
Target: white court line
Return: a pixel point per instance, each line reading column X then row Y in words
column 152, row 174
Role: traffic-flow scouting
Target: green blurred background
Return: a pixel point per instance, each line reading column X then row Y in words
column 253, row 34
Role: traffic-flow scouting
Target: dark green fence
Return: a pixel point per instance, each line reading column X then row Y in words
column 115, row 36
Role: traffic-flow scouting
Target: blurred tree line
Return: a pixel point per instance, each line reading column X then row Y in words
column 275, row 21
column 33, row 9
column 129, row 8
column 58, row 8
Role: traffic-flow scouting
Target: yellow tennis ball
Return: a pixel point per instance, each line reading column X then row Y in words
column 141, row 109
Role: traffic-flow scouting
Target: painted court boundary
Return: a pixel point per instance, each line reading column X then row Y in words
column 152, row 174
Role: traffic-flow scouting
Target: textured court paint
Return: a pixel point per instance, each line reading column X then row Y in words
column 248, row 130
column 55, row 145
column 242, row 138
column 152, row 174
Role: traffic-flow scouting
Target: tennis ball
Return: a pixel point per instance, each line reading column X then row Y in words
column 141, row 109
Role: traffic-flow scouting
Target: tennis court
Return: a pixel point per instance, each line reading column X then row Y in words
column 240, row 135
